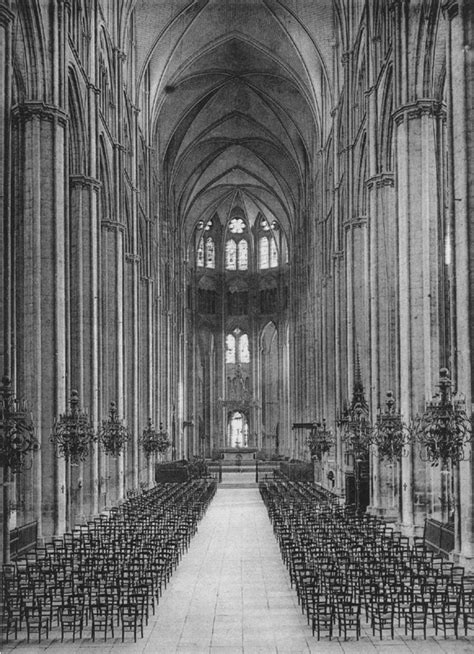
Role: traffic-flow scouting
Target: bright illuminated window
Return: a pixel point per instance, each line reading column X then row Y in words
column 244, row 352
column 236, row 226
column 200, row 254
column 231, row 255
column 237, row 347
column 210, row 253
column 273, row 253
column 230, row 349
column 243, row 255
column 263, row 253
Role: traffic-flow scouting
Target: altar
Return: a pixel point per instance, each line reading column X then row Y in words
column 242, row 453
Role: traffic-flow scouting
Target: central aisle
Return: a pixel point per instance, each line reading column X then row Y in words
column 231, row 592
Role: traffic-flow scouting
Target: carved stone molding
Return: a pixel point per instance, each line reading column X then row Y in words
column 28, row 110
column 355, row 222
column 84, row 180
column 6, row 15
column 450, row 9
column 346, row 57
column 112, row 225
column 380, row 181
column 423, row 107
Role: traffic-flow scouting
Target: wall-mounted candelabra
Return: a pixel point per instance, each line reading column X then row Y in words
column 17, row 437
column 319, row 440
column 17, row 441
column 154, row 441
column 444, row 428
column 113, row 434
column 390, row 433
column 73, row 432
column 353, row 421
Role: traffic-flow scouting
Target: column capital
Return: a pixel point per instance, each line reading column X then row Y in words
column 380, row 180
column 130, row 257
column 422, row 107
column 113, row 226
column 31, row 109
column 84, row 180
column 355, row 222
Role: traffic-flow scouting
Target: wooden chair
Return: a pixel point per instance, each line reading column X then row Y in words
column 36, row 622
column 71, row 619
column 102, row 619
column 131, row 620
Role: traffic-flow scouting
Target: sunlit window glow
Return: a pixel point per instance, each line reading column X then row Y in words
column 236, row 226
column 231, row 255
column 230, row 349
column 243, row 255
column 210, row 253
column 200, row 254
column 244, row 352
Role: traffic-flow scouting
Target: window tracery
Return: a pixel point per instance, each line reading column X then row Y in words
column 237, row 347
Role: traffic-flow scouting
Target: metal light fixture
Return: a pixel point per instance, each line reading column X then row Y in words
column 444, row 428
column 354, row 421
column 113, row 434
column 319, row 440
column 17, row 438
column 73, row 432
column 390, row 433
column 153, row 441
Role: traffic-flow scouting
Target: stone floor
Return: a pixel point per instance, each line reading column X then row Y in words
column 231, row 593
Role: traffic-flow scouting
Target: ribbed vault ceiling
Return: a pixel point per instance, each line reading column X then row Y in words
column 240, row 93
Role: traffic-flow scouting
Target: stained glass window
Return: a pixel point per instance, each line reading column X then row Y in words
column 273, row 253
column 263, row 253
column 236, row 226
column 243, row 255
column 210, row 253
column 231, row 255
column 200, row 253
column 230, row 349
column 244, row 352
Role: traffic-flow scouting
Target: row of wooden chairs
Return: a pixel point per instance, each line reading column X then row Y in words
column 344, row 566
column 108, row 572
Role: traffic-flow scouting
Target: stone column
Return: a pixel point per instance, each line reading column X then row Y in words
column 83, row 316
column 383, row 327
column 416, row 132
column 112, row 359
column 460, row 94
column 6, row 293
column 132, row 337
column 40, row 253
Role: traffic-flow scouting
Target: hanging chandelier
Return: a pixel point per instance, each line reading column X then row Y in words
column 17, row 438
column 73, row 432
column 319, row 440
column 113, row 434
column 153, row 441
column 390, row 433
column 354, row 421
column 444, row 428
